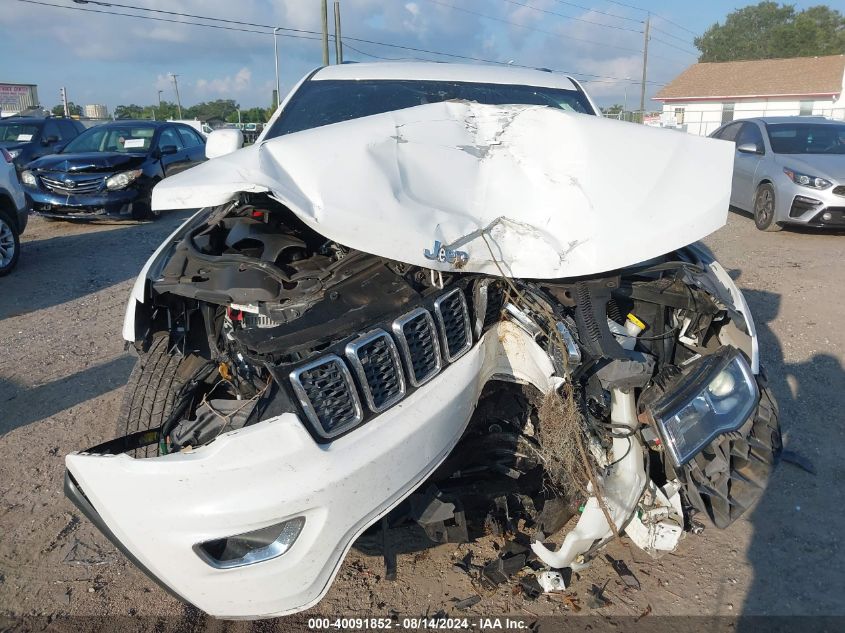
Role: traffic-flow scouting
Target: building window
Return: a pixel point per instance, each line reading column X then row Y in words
column 727, row 113
column 679, row 116
column 806, row 108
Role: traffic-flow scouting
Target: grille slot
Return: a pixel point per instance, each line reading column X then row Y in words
column 327, row 394
column 453, row 321
column 375, row 360
column 418, row 344
column 81, row 187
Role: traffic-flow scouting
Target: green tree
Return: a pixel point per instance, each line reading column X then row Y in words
column 73, row 109
column 129, row 112
column 768, row 30
column 613, row 110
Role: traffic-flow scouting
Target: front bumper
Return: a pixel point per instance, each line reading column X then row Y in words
column 809, row 207
column 87, row 206
column 159, row 508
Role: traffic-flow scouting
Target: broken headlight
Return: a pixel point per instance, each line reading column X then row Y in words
column 717, row 395
column 251, row 547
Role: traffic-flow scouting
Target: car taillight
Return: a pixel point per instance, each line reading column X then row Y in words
column 6, row 155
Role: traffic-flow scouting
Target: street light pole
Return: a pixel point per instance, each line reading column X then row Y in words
column 276, row 59
column 176, row 87
column 159, row 99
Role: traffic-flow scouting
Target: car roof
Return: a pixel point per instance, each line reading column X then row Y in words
column 790, row 119
column 435, row 71
column 144, row 122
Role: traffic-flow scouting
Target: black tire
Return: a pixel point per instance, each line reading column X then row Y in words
column 10, row 243
column 142, row 210
column 764, row 208
column 152, row 390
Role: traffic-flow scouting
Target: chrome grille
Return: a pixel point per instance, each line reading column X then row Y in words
column 418, row 344
column 453, row 321
column 375, row 360
column 81, row 186
column 327, row 394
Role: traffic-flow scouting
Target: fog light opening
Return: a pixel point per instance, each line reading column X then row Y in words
column 251, row 547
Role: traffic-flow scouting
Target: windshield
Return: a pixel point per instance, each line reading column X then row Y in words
column 323, row 102
column 134, row 139
column 807, row 138
column 18, row 132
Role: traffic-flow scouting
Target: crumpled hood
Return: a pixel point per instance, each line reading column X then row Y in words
column 88, row 161
column 530, row 191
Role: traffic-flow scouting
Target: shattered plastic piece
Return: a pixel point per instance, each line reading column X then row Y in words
column 499, row 570
column 796, row 459
column 596, row 599
column 466, row 603
column 624, row 572
column 442, row 521
column 551, row 581
column 531, row 587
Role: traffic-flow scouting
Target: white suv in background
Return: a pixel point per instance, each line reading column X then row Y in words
column 13, row 214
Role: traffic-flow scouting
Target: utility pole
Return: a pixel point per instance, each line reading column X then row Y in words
column 338, row 42
column 276, row 59
column 325, row 16
column 176, row 86
column 645, row 65
column 159, row 99
column 63, row 94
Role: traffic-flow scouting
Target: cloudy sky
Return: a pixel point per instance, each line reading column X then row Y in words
column 110, row 59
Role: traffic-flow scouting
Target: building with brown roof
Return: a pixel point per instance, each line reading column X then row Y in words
column 706, row 95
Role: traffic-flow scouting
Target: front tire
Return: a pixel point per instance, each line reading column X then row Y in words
column 153, row 390
column 10, row 243
column 764, row 209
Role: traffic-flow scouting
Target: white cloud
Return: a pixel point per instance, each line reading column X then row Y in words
column 230, row 85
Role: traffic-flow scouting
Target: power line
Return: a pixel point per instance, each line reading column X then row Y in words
column 531, row 28
column 569, row 17
column 669, row 44
column 657, row 15
column 316, row 37
column 680, row 39
column 149, row 17
column 614, row 15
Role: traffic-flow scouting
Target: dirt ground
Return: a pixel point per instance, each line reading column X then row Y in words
column 63, row 367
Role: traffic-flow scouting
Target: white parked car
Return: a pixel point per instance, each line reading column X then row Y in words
column 13, row 214
column 457, row 276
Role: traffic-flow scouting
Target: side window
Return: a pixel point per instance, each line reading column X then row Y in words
column 169, row 136
column 189, row 137
column 750, row 133
column 729, row 133
column 51, row 129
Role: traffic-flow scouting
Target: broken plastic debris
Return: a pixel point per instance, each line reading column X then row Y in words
column 796, row 459
column 466, row 603
column 551, row 581
column 624, row 572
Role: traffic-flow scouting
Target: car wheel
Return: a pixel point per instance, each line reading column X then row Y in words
column 10, row 244
column 155, row 390
column 764, row 208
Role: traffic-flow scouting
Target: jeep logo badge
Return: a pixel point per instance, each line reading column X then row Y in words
column 441, row 254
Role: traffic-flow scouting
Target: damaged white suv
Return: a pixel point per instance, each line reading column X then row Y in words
column 418, row 262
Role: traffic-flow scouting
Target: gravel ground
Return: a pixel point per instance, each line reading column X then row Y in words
column 64, row 366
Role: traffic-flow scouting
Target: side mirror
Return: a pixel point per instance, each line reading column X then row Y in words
column 49, row 140
column 166, row 150
column 749, row 148
column 222, row 142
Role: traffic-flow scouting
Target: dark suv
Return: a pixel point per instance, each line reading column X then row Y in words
column 28, row 138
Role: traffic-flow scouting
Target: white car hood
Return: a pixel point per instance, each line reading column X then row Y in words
column 528, row 191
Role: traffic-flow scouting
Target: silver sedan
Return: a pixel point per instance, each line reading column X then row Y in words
column 788, row 170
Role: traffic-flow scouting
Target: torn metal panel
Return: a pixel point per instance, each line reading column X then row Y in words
column 534, row 191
